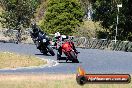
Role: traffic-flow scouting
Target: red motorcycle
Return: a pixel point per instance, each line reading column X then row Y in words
column 69, row 52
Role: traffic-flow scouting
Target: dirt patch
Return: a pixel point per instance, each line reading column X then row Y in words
column 12, row 60
column 37, row 77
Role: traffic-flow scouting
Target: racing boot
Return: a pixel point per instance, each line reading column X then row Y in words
column 59, row 53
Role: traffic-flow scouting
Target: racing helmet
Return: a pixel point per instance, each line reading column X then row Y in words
column 34, row 27
column 57, row 34
column 64, row 37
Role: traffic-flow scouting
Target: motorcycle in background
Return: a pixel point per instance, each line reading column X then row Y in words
column 43, row 44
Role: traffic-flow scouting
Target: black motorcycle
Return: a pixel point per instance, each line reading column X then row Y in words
column 43, row 44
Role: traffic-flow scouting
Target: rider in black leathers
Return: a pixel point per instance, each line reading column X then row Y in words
column 35, row 30
column 35, row 34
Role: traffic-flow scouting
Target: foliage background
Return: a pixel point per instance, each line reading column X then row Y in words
column 105, row 11
column 62, row 16
column 68, row 16
column 17, row 12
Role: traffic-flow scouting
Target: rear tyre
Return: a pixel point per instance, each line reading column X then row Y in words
column 58, row 56
column 50, row 49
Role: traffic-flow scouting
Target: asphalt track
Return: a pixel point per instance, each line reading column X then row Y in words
column 92, row 60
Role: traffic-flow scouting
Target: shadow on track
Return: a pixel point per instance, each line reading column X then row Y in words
column 43, row 54
column 64, row 60
column 68, row 62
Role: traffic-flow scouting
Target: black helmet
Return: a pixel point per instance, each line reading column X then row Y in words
column 33, row 25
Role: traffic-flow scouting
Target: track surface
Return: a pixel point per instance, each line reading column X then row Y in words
column 92, row 60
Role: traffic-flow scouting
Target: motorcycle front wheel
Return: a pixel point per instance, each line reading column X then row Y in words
column 74, row 57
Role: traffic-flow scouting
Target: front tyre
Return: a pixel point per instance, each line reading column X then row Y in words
column 74, row 57
column 50, row 49
column 75, row 61
column 44, row 52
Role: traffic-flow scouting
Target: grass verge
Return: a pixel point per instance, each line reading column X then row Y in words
column 49, row 81
column 13, row 60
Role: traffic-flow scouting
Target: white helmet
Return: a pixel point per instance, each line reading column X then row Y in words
column 57, row 34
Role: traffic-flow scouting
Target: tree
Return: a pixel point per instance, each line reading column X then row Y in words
column 17, row 12
column 86, row 4
column 106, row 11
column 63, row 16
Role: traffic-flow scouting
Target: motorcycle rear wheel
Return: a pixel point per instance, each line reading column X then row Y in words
column 50, row 49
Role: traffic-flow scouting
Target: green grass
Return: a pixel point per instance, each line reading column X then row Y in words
column 49, row 81
column 13, row 60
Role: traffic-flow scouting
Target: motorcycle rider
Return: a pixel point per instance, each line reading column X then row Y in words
column 35, row 30
column 58, row 39
column 61, row 38
column 35, row 34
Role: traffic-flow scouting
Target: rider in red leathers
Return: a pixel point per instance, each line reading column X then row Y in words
column 61, row 39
